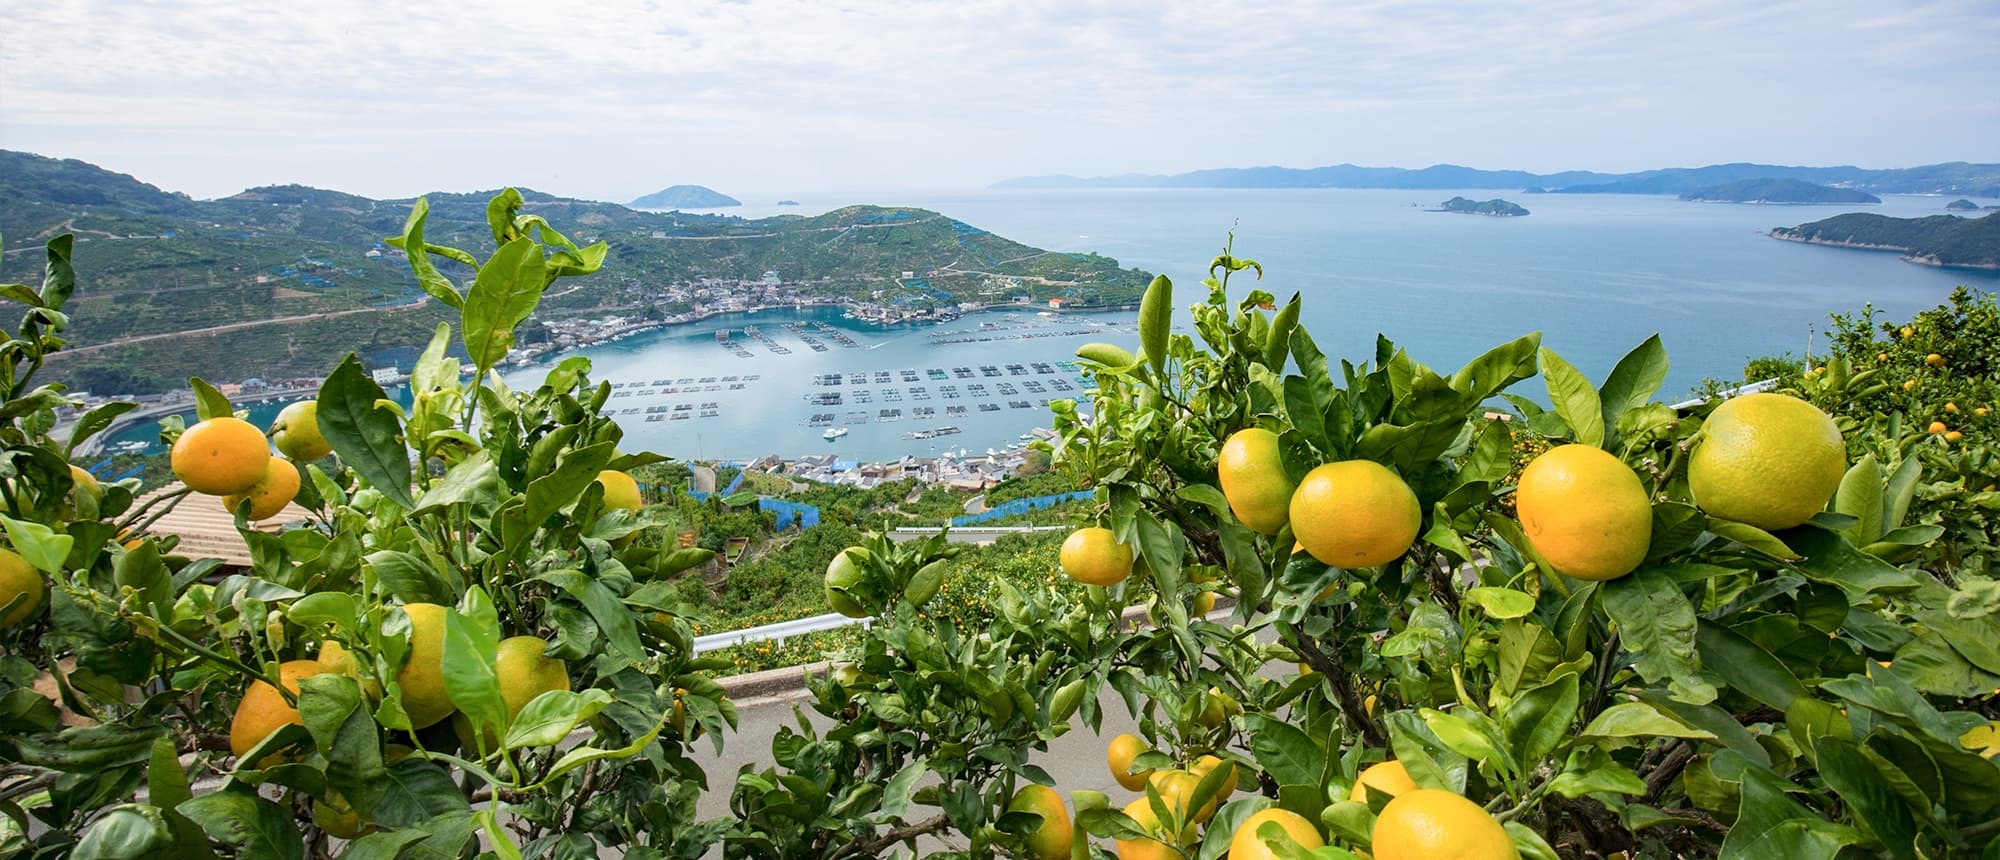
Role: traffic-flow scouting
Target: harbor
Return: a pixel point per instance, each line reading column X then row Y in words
column 812, row 381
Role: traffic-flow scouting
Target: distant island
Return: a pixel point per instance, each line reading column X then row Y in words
column 788, row 203
column 1496, row 207
column 1778, row 191
column 1957, row 177
column 1934, row 240
column 1961, row 205
column 685, row 197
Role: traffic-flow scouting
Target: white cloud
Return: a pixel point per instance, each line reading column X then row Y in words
column 618, row 97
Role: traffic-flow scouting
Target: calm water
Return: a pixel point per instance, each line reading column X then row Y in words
column 1595, row 273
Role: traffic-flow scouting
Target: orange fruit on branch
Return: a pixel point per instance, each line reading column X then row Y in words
column 1252, row 475
column 422, row 678
column 264, row 710
column 1432, row 824
column 220, row 456
column 1094, row 556
column 1388, row 777
column 270, row 495
column 1768, row 460
column 19, row 580
column 1585, row 511
column 296, row 432
column 1051, row 840
column 1245, row 844
column 1354, row 513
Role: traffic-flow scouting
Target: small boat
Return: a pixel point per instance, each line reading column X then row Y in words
column 833, row 433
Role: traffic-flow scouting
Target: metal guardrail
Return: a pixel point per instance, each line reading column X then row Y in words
column 833, row 620
column 1752, row 388
column 780, row 631
column 959, row 530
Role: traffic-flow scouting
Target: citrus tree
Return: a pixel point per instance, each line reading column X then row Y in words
column 1674, row 633
column 466, row 642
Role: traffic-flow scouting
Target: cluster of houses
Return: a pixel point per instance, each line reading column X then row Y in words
column 964, row 470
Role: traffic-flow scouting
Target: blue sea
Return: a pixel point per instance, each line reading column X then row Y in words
column 1596, row 274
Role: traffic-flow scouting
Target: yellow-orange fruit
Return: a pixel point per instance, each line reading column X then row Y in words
column 1585, row 511
column 1354, row 513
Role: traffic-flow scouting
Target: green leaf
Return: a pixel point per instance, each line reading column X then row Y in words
column 1497, row 368
column 1746, row 666
column 414, row 790
column 1712, row 719
column 435, row 369
column 1753, row 537
column 1769, row 824
column 1575, row 399
column 132, row 831
column 1501, row 603
column 1829, row 558
column 1284, row 751
column 1530, row 844
column 573, row 474
column 1633, row 380
column 166, row 782
column 1871, row 802
column 335, row 608
column 38, row 543
column 1278, row 342
column 586, row 754
column 504, row 293
column 1538, row 720
column 408, row 577
column 94, row 422
column 1591, row 770
column 1430, row 763
column 364, row 432
column 1860, row 496
column 414, row 247
column 551, row 716
column 1461, row 736
column 1156, row 319
column 1901, row 490
column 1638, row 719
column 613, row 619
column 442, row 837
column 470, row 649
column 208, row 402
column 254, row 826
column 1656, row 625
column 474, row 481
column 343, row 729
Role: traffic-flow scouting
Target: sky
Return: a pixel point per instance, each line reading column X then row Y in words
column 615, row 98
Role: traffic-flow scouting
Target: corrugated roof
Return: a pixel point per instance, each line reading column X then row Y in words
column 207, row 530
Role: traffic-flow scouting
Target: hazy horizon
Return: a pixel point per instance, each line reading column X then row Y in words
column 210, row 97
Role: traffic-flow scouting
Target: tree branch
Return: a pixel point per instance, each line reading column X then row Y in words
column 1330, row 666
column 873, row 847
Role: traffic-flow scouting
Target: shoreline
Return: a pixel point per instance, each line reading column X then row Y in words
column 1930, row 260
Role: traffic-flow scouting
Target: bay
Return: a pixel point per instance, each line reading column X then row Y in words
column 1597, row 274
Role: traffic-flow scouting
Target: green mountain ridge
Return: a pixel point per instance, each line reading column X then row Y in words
column 1778, row 191
column 297, row 276
column 1935, row 240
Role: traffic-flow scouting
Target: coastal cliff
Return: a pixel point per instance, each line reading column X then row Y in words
column 1934, row 240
